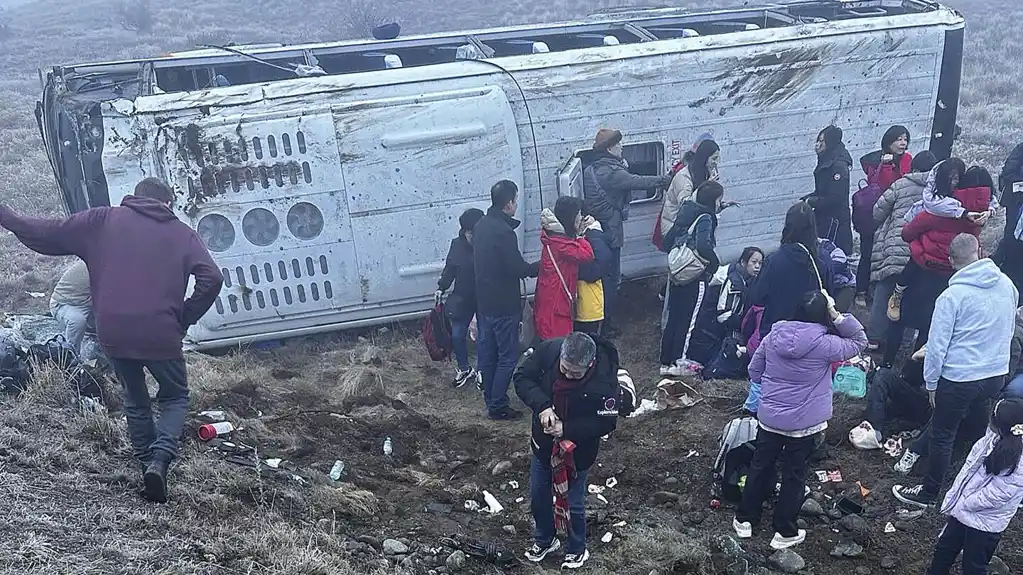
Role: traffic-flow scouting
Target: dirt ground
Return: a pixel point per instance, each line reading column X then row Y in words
column 68, row 489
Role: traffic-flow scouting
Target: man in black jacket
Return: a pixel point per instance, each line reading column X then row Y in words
column 500, row 270
column 1009, row 255
column 577, row 392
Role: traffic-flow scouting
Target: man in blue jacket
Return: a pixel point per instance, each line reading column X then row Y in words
column 966, row 359
column 500, row 270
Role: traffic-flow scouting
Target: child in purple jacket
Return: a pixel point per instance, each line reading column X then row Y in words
column 793, row 366
column 985, row 495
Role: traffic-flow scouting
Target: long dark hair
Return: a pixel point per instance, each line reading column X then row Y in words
column 813, row 308
column 566, row 209
column 800, row 227
column 696, row 161
column 1004, row 457
column 943, row 177
column 977, row 177
column 468, row 220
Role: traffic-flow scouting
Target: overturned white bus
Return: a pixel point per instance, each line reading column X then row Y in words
column 327, row 179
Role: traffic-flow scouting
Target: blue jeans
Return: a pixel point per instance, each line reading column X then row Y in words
column 460, row 341
column 154, row 434
column 497, row 354
column 879, row 324
column 1014, row 388
column 541, row 496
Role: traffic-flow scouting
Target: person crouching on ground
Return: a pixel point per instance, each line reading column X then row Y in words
column 793, row 366
column 71, row 304
column 140, row 257
column 985, row 495
column 564, row 249
column 459, row 269
column 572, row 386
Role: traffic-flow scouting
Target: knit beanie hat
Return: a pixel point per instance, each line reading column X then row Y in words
column 606, row 139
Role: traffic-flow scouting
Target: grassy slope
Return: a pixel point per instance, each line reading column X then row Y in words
column 65, row 504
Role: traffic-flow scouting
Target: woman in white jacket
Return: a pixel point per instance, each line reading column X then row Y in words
column 701, row 164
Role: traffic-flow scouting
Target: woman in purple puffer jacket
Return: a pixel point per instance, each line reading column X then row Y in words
column 985, row 495
column 793, row 366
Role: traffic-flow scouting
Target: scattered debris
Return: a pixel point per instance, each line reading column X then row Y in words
column 510, row 530
column 864, row 492
column 847, row 549
column 889, row 528
column 214, row 415
column 907, row 515
column 210, row 431
column 603, row 499
column 645, row 406
column 502, row 467
column 620, row 524
column 520, row 500
column 388, row 447
column 607, row 537
column 494, row 507
column 513, row 484
column 893, row 447
column 715, row 504
column 611, row 483
column 274, row 463
column 692, row 453
column 595, row 489
column 472, row 506
column 36, row 294
column 337, row 470
column 673, row 394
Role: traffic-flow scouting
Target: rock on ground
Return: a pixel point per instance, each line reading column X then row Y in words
column 854, row 524
column 997, row 567
column 394, row 547
column 502, row 467
column 788, row 561
column 811, row 508
column 847, row 549
column 456, row 561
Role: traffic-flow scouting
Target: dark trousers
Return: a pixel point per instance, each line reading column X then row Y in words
column 683, row 302
column 955, row 403
column 154, row 437
column 792, row 456
column 460, row 341
column 889, row 392
column 497, row 352
column 863, row 268
column 844, row 298
column 541, row 504
column 893, row 341
column 612, row 281
column 590, row 327
column 978, row 548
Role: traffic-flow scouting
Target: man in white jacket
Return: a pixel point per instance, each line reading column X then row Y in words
column 966, row 360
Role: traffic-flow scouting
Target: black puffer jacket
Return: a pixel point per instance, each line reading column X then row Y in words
column 459, row 269
column 499, row 266
column 830, row 198
column 593, row 408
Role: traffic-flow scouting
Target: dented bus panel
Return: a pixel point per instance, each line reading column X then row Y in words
column 328, row 196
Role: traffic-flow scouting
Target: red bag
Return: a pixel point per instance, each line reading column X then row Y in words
column 437, row 334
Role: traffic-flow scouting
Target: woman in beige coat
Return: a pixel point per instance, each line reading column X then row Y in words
column 891, row 253
column 701, row 164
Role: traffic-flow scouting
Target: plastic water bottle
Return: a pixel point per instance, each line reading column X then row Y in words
column 388, row 447
column 338, row 470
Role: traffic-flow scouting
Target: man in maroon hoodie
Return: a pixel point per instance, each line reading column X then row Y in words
column 140, row 257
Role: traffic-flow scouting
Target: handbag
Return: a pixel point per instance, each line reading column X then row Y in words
column 573, row 301
column 685, row 265
column 527, row 331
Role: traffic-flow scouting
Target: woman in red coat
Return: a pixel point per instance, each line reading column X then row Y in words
column 883, row 167
column 563, row 250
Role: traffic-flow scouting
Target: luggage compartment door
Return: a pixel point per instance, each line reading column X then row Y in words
column 411, row 166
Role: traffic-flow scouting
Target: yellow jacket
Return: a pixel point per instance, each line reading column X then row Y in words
column 590, row 301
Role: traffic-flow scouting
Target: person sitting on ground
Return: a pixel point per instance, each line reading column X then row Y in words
column 460, row 307
column 592, row 275
column 564, row 248
column 1014, row 381
column 966, row 361
column 574, row 389
column 892, row 394
column 793, row 366
column 985, row 495
column 140, row 258
column 843, row 278
column 725, row 306
column 794, row 269
column 71, row 304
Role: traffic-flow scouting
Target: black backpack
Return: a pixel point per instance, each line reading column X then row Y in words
column 738, row 443
column 58, row 352
column 15, row 370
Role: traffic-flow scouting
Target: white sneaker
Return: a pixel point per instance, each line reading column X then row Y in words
column 779, row 542
column 743, row 530
column 905, row 465
column 573, row 561
column 864, row 437
column 536, row 554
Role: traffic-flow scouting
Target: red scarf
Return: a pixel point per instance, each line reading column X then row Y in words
column 562, row 472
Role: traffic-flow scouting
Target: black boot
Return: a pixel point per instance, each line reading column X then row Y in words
column 155, row 480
